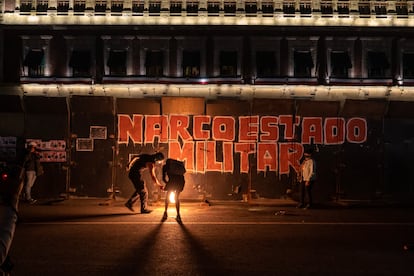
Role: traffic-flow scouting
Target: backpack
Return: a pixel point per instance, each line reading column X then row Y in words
column 175, row 167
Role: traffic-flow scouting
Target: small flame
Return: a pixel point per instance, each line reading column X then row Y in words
column 172, row 197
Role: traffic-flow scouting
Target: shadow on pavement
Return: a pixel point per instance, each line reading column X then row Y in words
column 205, row 261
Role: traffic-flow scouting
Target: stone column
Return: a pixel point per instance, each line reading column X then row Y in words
column 173, row 57
column 210, row 56
column 284, row 57
column 136, row 56
column 358, row 55
column 246, row 60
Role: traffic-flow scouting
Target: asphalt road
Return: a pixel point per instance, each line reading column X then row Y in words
column 97, row 238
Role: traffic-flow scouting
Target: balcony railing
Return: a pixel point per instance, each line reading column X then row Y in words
column 269, row 11
column 287, row 7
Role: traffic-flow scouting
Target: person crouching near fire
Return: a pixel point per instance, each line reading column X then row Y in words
column 173, row 175
column 135, row 168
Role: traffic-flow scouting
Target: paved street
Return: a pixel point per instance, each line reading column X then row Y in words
column 99, row 237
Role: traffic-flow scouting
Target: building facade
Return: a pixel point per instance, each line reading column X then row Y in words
column 71, row 69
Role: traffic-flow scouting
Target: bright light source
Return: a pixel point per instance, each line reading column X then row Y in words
column 172, row 197
column 4, row 176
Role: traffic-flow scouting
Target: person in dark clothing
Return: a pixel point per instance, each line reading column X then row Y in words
column 135, row 169
column 33, row 169
column 10, row 190
column 175, row 182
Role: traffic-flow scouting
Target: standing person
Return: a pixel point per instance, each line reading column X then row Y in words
column 9, row 201
column 135, row 169
column 308, row 177
column 33, row 169
column 173, row 175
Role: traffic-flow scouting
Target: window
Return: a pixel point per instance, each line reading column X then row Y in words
column 228, row 63
column 100, row 6
column 289, row 7
column 303, row 63
column 340, row 64
column 155, row 7
column 191, row 63
column 377, row 64
column 408, row 65
column 265, row 64
column 326, row 7
column 175, row 6
column 305, row 7
column 380, row 8
column 230, row 7
column 34, row 61
column 80, row 62
column 401, row 8
column 138, row 6
column 267, row 7
column 117, row 5
column 154, row 64
column 192, row 6
column 117, row 62
column 213, row 7
column 79, row 6
column 25, row 6
column 63, row 6
column 250, row 7
column 343, row 7
column 364, row 7
column 42, row 6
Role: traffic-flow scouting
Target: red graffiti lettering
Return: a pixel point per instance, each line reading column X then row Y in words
column 289, row 122
column 244, row 149
column 184, row 153
column 208, row 143
column 228, row 158
column 156, row 126
column 312, row 130
column 267, row 157
column 289, row 156
column 269, row 129
column 248, row 128
column 130, row 129
column 201, row 150
column 356, row 130
column 179, row 127
column 212, row 164
column 198, row 127
column 224, row 128
column 334, row 131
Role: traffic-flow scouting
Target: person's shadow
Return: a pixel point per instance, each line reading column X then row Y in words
column 168, row 249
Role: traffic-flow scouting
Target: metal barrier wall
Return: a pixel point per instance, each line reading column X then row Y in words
column 95, row 160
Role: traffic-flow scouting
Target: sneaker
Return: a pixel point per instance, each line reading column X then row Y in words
column 178, row 219
column 129, row 206
column 164, row 217
column 145, row 211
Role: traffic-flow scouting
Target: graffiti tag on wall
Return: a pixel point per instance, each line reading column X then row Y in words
column 276, row 142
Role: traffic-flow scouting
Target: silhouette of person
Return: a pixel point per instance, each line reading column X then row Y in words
column 135, row 168
column 10, row 190
column 175, row 182
column 33, row 169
